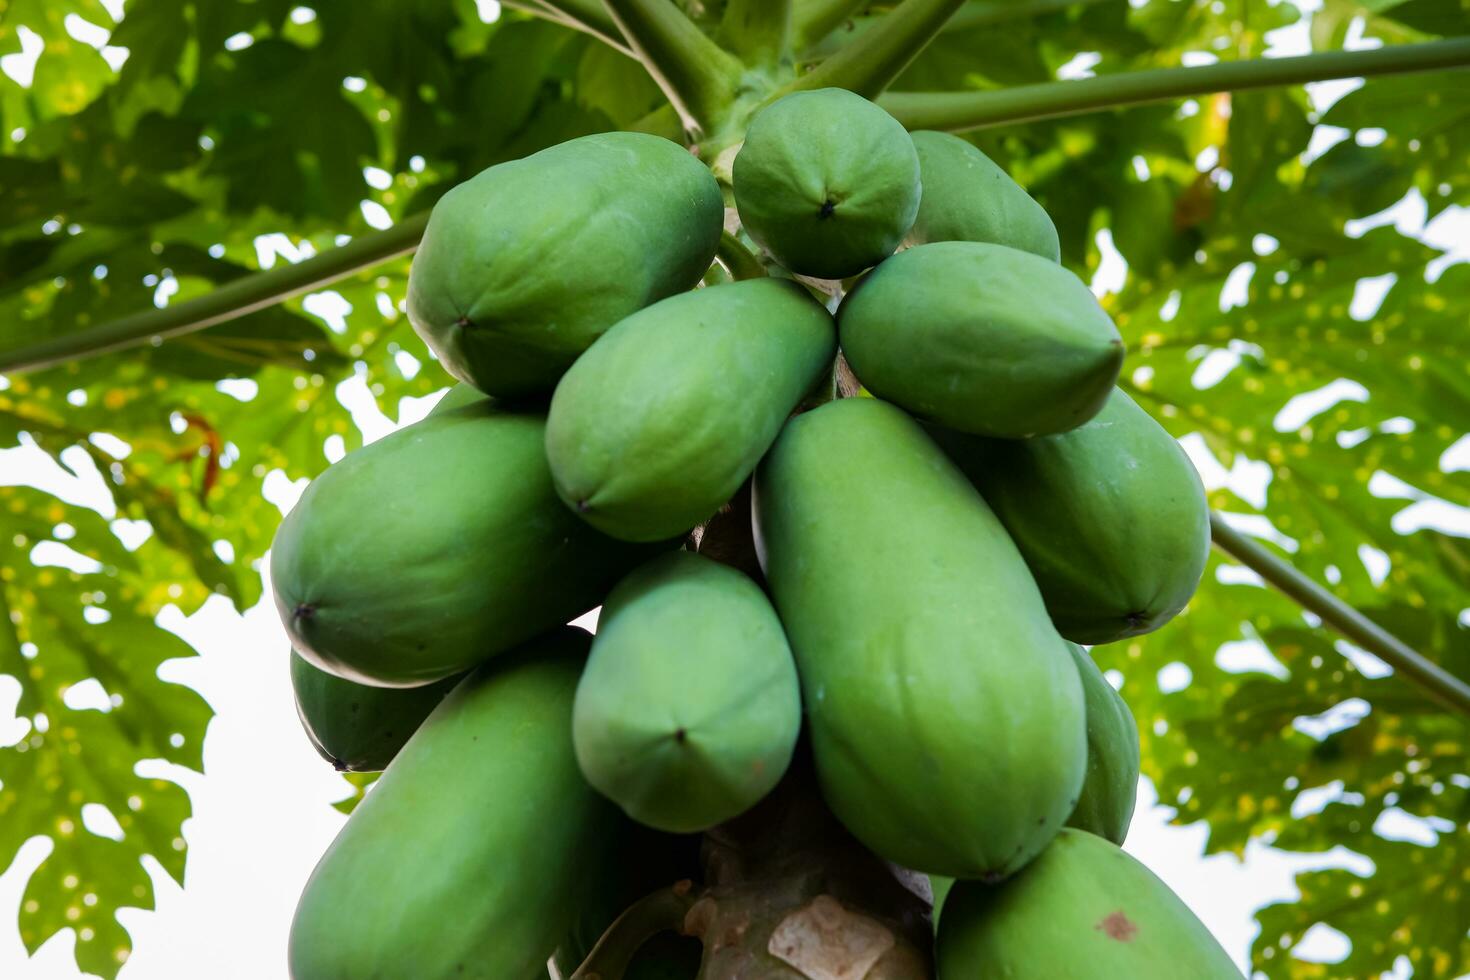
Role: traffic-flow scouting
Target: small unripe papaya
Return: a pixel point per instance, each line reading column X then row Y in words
column 688, row 710
column 1084, row 908
column 525, row 264
column 655, row 428
column 981, row 338
column 967, row 198
column 1111, row 518
column 827, row 182
column 1105, row 807
column 357, row 727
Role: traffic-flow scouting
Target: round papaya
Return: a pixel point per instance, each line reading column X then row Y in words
column 1084, row 908
column 525, row 264
column 827, row 182
column 356, row 727
column 967, row 198
column 981, row 338
column 689, row 709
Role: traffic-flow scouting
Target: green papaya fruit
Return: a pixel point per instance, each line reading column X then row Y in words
column 464, row 860
column 1111, row 518
column 1083, row 910
column 656, row 426
column 422, row 554
column 689, row 709
column 827, row 181
column 355, row 727
column 945, row 713
column 967, row 198
column 458, row 396
column 1106, row 805
column 525, row 264
column 981, row 338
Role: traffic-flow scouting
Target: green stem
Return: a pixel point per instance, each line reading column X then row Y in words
column 956, row 111
column 663, row 911
column 759, row 31
column 696, row 75
column 233, row 299
column 1439, row 683
column 738, row 260
column 579, row 15
column 814, row 20
column 973, row 15
column 872, row 61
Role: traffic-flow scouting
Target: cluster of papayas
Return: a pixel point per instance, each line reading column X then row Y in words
column 887, row 582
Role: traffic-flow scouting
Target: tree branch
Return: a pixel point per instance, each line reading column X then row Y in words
column 759, row 31
column 578, row 15
column 875, row 59
column 233, row 299
column 972, row 15
column 695, row 73
column 663, row 911
column 814, row 20
column 957, row 111
column 1435, row 680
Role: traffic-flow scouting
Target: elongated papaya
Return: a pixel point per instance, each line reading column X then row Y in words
column 420, row 555
column 981, row 338
column 1111, row 518
column 464, row 861
column 656, row 426
column 525, row 264
column 945, row 713
column 1111, row 788
column 967, row 198
column 355, row 727
column 1083, row 909
column 827, row 181
column 689, row 709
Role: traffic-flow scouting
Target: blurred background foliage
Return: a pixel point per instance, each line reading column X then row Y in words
column 1313, row 358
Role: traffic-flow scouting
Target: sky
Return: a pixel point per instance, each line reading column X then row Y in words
column 262, row 810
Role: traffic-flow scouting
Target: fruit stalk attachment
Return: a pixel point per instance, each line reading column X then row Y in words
column 696, row 75
column 958, row 111
column 1359, row 629
column 869, row 64
column 662, row 911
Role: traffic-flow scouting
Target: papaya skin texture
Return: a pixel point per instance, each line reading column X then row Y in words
column 525, row 264
column 1083, row 910
column 827, row 182
column 688, row 711
column 1111, row 518
column 478, row 883
column 1111, row 789
column 656, row 427
column 355, row 727
column 981, row 338
column 458, row 396
column 435, row 548
column 945, row 714
column 968, row 198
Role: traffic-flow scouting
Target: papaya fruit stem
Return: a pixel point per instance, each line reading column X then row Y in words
column 738, row 260
column 875, row 59
column 662, row 911
column 814, row 20
column 959, row 111
column 696, row 75
column 759, row 31
column 1409, row 663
